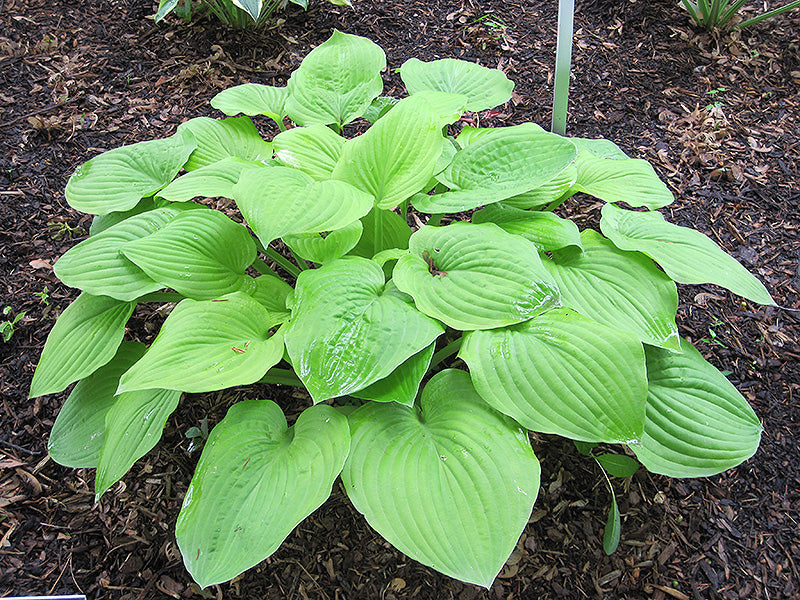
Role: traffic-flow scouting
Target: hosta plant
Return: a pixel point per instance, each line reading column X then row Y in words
column 239, row 14
column 428, row 353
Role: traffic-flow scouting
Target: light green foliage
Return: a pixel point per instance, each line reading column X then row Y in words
column 562, row 331
column 7, row 325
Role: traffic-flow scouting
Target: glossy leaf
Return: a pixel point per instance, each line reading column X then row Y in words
column 97, row 266
column 697, row 423
column 547, row 231
column 210, row 181
column 475, row 276
column 218, row 139
column 402, row 385
column 256, row 480
column 79, row 430
column 451, row 485
column 623, row 290
column 349, row 329
column 284, row 201
column 118, row 179
column 85, row 337
column 252, row 99
column 562, row 373
column 686, row 255
column 500, row 165
column 314, row 150
column 484, row 88
column 201, row 254
column 321, row 250
column 336, row 81
column 209, row 345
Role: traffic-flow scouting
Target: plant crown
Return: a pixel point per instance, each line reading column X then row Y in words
column 239, row 14
column 561, row 331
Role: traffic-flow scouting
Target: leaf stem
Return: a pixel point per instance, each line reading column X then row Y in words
column 281, row 377
column 300, row 261
column 377, row 242
column 161, row 297
column 446, row 352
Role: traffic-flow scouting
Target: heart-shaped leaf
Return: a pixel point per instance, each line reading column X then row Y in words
column 397, row 156
column 217, row 139
column 562, row 373
column 97, row 266
column 116, row 180
column 252, row 99
column 212, row 181
column 256, row 480
column 697, row 423
column 475, row 276
column 451, row 485
column 624, row 290
column 336, row 81
column 201, row 254
column 209, row 345
column 321, row 250
column 284, row 201
column 547, row 231
column 484, row 88
column 79, row 430
column 499, row 165
column 685, row 254
column 402, row 385
column 85, row 337
column 314, row 150
column 349, row 329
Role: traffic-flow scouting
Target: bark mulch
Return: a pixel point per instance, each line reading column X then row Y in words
column 717, row 115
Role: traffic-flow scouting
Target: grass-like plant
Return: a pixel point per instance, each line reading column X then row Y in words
column 508, row 318
column 719, row 14
column 238, row 14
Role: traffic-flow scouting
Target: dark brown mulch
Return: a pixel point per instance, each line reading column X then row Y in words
column 719, row 118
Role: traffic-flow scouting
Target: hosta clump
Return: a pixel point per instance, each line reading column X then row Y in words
column 560, row 331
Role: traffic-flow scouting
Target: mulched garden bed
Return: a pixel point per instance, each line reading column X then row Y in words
column 719, row 118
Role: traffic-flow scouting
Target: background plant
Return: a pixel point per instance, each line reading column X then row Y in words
column 239, row 14
column 562, row 331
column 720, row 14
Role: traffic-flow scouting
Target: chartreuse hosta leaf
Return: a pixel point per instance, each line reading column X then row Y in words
column 217, row 139
column 283, row 201
column 402, row 385
column 336, row 81
column 209, row 345
column 349, row 328
column 624, row 290
column 562, row 373
column 118, row 179
column 252, row 99
column 547, row 231
column 78, row 432
column 201, row 254
column 97, row 266
column 605, row 172
column 475, row 276
column 697, row 424
column 484, row 88
column 321, row 250
column 500, row 165
column 271, row 292
column 256, row 480
column 451, row 484
column 315, row 150
column 397, row 156
column 211, row 181
column 379, row 107
column 395, row 233
column 558, row 187
column 685, row 254
column 102, row 222
column 85, row 337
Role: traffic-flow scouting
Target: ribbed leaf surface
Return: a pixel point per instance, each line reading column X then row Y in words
column 685, row 254
column 252, row 99
column 256, row 480
column 475, row 276
column 349, row 329
column 314, row 150
column 85, row 337
column 201, row 253
column 285, row 201
column 484, row 88
column 623, row 290
column 562, row 373
column 697, row 424
column 546, row 230
column 209, row 345
column 97, row 265
column 218, row 139
column 79, row 430
column 116, row 180
column 451, row 485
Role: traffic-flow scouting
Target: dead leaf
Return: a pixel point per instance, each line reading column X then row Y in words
column 38, row 263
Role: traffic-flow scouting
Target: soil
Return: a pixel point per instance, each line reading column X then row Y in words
column 717, row 115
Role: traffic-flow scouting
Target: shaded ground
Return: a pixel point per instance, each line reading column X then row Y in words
column 719, row 119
